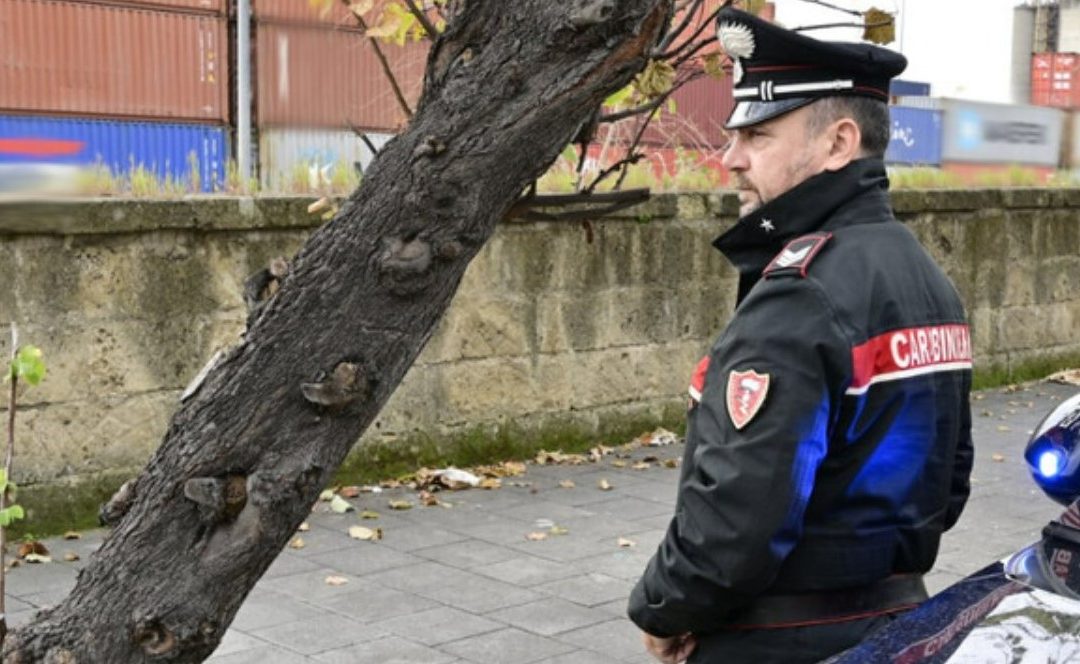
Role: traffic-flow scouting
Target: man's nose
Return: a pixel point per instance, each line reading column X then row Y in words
column 734, row 158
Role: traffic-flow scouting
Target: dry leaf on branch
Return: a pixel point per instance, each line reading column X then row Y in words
column 878, row 26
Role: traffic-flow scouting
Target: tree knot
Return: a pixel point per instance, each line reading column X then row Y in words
column 154, row 638
column 348, row 382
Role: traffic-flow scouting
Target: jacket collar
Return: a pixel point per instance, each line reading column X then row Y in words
column 857, row 193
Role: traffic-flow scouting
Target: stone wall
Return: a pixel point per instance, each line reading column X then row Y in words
column 129, row 299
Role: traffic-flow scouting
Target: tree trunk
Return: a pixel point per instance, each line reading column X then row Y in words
column 246, row 456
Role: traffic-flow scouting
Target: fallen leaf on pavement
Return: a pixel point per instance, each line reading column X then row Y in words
column 626, row 543
column 365, row 534
column 658, row 438
column 1068, row 377
column 642, row 465
column 400, row 505
column 619, row 464
column 31, row 548
column 559, row 530
column 37, row 558
column 604, row 485
column 336, row 580
column 998, row 457
column 340, row 505
column 349, row 491
column 368, row 514
column 566, row 484
column 671, row 463
column 536, row 536
column 297, row 543
column 72, row 535
column 428, row 499
column 1003, row 427
column 71, row 556
column 490, row 483
column 304, row 527
column 327, row 495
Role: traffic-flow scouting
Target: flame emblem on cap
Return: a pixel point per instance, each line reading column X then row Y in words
column 737, row 40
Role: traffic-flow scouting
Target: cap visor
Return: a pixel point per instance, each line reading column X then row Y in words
column 748, row 113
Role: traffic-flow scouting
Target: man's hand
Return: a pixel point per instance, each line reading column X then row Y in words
column 669, row 650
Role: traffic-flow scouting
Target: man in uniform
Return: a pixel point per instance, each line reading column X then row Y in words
column 828, row 439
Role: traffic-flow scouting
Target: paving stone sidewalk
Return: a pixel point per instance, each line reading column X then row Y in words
column 465, row 585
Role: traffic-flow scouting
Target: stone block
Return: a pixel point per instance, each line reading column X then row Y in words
column 484, row 325
column 1020, row 286
column 90, row 436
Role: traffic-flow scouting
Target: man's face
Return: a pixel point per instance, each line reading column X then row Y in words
column 769, row 158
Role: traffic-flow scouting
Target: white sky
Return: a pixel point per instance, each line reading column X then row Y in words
column 963, row 48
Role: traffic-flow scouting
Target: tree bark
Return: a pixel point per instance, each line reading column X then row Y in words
column 245, row 457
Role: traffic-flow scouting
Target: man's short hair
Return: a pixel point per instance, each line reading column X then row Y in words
column 871, row 115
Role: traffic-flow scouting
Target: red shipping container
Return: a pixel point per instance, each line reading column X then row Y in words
column 85, row 59
column 301, row 12
column 701, row 108
column 310, row 76
column 202, row 6
column 1055, row 80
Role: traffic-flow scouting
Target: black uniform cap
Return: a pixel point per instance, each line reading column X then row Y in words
column 777, row 70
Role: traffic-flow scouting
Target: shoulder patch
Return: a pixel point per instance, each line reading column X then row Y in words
column 796, row 256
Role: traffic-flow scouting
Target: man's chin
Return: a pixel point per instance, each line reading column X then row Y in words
column 749, row 207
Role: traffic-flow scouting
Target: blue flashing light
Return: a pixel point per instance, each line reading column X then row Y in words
column 1051, row 462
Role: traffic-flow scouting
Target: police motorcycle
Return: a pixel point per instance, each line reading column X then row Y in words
column 1024, row 609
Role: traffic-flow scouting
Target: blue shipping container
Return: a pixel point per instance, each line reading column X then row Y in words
column 915, row 137
column 898, row 87
column 164, row 149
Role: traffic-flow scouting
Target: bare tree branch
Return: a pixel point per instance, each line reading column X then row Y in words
column 432, row 33
column 832, row 6
column 806, row 28
column 385, row 65
column 701, row 28
column 634, row 158
column 526, row 206
column 670, row 37
column 638, row 110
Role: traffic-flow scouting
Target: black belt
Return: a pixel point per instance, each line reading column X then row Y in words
column 891, row 595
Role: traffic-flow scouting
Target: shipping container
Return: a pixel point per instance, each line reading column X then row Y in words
column 201, row 6
column 701, row 107
column 293, row 160
column 915, row 136
column 979, row 132
column 1055, row 80
column 78, row 58
column 168, row 150
column 299, row 12
column 899, row 87
column 317, row 77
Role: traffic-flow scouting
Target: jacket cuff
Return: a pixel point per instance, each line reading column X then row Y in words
column 645, row 615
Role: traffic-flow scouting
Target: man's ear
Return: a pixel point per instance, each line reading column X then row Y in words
column 845, row 144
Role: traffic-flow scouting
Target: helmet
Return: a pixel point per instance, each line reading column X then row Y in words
column 1053, row 452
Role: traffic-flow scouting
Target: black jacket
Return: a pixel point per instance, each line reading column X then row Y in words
column 829, row 444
